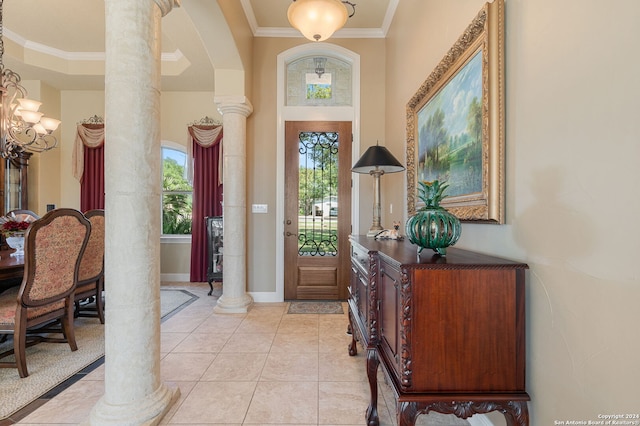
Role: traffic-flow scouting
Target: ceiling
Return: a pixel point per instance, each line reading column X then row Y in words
column 61, row 42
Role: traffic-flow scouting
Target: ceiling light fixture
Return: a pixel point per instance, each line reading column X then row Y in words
column 319, row 64
column 317, row 20
column 22, row 126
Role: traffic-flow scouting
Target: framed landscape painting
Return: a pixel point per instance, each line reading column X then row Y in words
column 455, row 123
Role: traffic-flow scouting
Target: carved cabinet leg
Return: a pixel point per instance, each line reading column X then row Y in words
column 407, row 413
column 516, row 413
column 372, row 374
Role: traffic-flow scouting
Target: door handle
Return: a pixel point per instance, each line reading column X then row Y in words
column 289, row 234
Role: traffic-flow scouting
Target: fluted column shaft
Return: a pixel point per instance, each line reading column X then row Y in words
column 134, row 394
column 234, row 110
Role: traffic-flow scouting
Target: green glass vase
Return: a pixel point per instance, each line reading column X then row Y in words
column 436, row 229
column 433, row 226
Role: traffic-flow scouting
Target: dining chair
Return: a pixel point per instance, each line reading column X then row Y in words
column 53, row 248
column 91, row 274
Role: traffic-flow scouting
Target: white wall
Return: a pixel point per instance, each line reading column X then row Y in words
column 572, row 196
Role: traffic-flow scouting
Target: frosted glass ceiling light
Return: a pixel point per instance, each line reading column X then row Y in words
column 317, row 20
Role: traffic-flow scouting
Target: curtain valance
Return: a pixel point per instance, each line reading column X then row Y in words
column 205, row 136
column 90, row 135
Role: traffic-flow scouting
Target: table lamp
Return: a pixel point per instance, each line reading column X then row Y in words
column 377, row 160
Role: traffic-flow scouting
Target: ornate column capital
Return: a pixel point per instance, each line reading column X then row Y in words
column 166, row 5
column 233, row 104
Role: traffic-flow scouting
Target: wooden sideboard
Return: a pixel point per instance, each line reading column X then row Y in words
column 449, row 332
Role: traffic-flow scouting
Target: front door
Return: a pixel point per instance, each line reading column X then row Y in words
column 317, row 209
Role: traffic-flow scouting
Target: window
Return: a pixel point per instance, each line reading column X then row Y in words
column 305, row 88
column 177, row 193
column 318, row 87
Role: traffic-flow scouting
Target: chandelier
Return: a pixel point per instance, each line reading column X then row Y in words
column 317, row 20
column 22, row 126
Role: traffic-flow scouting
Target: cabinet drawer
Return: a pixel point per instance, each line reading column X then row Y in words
column 389, row 313
column 359, row 290
column 360, row 258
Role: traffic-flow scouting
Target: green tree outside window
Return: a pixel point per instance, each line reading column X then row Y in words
column 177, row 194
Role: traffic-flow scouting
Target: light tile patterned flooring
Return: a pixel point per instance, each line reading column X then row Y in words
column 263, row 367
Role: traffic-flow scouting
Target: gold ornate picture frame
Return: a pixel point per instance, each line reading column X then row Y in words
column 455, row 123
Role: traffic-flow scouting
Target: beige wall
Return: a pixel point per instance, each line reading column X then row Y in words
column 572, row 210
column 243, row 38
column 43, row 184
column 179, row 109
column 77, row 106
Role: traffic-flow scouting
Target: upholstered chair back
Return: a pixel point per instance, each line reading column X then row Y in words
column 53, row 248
column 92, row 263
column 88, row 297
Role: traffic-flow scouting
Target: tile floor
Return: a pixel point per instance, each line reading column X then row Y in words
column 263, row 367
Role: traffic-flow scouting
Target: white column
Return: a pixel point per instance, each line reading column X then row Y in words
column 234, row 110
column 134, row 394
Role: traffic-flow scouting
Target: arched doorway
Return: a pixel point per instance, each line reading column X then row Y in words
column 294, row 106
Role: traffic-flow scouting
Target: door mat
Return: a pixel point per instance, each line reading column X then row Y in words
column 323, row 307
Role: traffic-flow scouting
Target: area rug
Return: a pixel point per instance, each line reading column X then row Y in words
column 322, row 307
column 51, row 364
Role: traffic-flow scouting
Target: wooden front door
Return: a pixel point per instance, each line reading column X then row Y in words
column 317, row 209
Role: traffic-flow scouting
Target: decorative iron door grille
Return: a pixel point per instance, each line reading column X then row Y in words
column 318, row 194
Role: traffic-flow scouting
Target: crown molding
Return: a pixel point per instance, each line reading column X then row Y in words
column 33, row 46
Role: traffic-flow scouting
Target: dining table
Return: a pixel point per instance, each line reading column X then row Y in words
column 11, row 269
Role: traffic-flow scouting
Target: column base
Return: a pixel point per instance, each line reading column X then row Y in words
column 148, row 412
column 233, row 305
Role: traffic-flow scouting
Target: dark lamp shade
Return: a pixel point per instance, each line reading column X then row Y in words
column 377, row 158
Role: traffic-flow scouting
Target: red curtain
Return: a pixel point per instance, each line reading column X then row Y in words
column 92, row 183
column 88, row 163
column 207, row 201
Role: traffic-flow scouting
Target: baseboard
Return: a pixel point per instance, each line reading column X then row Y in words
column 175, row 277
column 265, row 296
column 258, row 296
